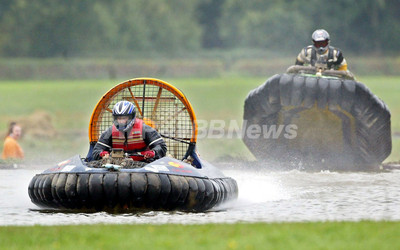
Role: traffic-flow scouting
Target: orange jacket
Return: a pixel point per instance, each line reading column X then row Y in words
column 12, row 149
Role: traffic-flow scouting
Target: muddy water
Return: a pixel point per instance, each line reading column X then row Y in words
column 264, row 196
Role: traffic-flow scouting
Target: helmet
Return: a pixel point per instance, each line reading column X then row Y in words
column 320, row 40
column 124, row 108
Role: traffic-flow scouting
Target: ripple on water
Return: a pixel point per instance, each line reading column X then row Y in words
column 264, row 196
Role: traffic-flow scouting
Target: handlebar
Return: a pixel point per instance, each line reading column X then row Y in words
column 299, row 69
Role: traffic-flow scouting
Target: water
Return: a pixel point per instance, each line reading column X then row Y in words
column 264, row 196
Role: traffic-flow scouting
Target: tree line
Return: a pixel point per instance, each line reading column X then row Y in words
column 54, row 28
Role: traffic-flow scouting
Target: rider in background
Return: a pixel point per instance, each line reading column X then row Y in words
column 320, row 54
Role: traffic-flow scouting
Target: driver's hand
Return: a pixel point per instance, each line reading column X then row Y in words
column 148, row 154
column 104, row 154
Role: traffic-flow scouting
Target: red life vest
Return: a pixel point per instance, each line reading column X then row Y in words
column 134, row 142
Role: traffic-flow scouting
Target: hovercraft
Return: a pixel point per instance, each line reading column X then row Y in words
column 180, row 181
column 312, row 119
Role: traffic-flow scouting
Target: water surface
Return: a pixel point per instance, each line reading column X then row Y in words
column 264, row 196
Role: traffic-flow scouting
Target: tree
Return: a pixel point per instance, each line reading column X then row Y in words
column 50, row 28
column 209, row 13
column 46, row 28
column 272, row 25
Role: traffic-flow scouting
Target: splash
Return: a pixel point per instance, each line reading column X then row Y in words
column 258, row 187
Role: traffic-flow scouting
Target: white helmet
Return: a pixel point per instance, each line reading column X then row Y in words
column 320, row 40
column 124, row 108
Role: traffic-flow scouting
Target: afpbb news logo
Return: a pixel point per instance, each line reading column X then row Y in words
column 218, row 129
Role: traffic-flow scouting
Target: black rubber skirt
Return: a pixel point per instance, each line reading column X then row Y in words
column 122, row 191
column 300, row 120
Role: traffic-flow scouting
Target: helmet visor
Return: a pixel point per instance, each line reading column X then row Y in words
column 321, row 44
column 122, row 122
column 123, row 119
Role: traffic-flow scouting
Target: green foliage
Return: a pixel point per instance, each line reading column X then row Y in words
column 48, row 28
column 63, row 28
column 273, row 25
column 362, row 26
column 45, row 28
column 208, row 14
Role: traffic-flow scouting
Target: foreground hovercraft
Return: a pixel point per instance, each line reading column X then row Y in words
column 314, row 119
column 180, row 181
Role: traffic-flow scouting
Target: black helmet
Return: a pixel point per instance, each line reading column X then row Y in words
column 320, row 40
column 124, row 108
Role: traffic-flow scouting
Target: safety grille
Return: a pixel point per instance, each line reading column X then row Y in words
column 158, row 105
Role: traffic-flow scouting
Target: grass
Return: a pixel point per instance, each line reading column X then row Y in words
column 388, row 89
column 70, row 104
column 317, row 235
column 205, row 63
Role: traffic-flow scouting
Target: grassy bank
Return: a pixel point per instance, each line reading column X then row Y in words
column 335, row 235
column 70, row 103
column 219, row 63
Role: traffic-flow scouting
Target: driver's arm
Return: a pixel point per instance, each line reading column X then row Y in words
column 340, row 63
column 301, row 58
column 103, row 144
column 343, row 65
column 154, row 141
